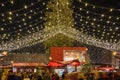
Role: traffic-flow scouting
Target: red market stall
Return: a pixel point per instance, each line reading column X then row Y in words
column 28, row 67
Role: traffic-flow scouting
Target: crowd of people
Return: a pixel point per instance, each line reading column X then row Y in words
column 47, row 75
column 98, row 76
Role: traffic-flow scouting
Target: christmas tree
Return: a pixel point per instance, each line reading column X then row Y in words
column 87, row 66
column 58, row 16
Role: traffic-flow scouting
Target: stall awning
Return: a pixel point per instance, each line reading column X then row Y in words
column 28, row 64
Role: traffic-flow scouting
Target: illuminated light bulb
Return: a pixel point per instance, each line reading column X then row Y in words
column 113, row 32
column 47, row 8
column 94, row 19
column 81, row 20
column 111, row 36
column 110, row 17
column 30, row 25
column 117, row 18
column 60, row 10
column 3, row 20
column 101, row 19
column 86, row 4
column 20, row 26
column 67, row 3
column 93, row 30
column 11, row 62
column 114, row 53
column 23, row 19
column 80, row 8
column 2, row 14
column 34, row 12
column 16, row 14
column 102, row 15
column 29, row 17
column 12, row 1
column 9, row 18
column 1, row 59
column 93, row 7
column 3, row 5
column 4, row 53
column 50, row 58
column 20, row 29
column 10, row 21
column 32, row 4
column 98, row 25
column 25, row 23
column 2, row 29
column 31, row 10
column 18, row 33
column 86, row 22
column 25, row 7
column 10, row 13
column 110, row 29
column 108, row 33
column 98, row 30
column 111, row 10
column 92, row 23
column 102, row 34
column 116, row 28
column 43, row 3
column 80, row 0
column 108, row 21
column 113, row 23
column 25, row 14
column 87, row 12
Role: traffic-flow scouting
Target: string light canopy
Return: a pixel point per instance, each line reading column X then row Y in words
column 98, row 21
column 18, row 19
column 23, row 25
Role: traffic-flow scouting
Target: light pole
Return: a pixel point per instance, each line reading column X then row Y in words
column 113, row 58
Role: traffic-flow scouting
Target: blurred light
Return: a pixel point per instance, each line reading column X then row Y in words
column 12, row 62
column 111, row 10
column 12, row 1
column 114, row 53
column 10, row 18
column 50, row 58
column 117, row 18
column 4, row 53
column 93, row 6
column 86, row 49
column 102, row 15
column 3, row 5
column 86, row 4
column 2, row 29
column 80, row 8
column 10, row 13
column 25, row 7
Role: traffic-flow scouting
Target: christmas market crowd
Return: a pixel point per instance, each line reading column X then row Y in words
column 47, row 75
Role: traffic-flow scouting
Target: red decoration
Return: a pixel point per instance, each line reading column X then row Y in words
column 74, row 63
column 56, row 64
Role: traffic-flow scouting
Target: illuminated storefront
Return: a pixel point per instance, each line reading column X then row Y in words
column 67, row 54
